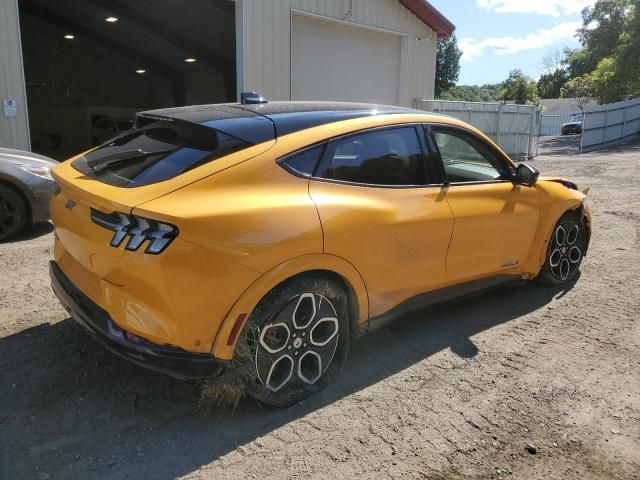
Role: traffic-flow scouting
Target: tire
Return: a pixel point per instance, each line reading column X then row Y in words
column 297, row 340
column 14, row 213
column 565, row 251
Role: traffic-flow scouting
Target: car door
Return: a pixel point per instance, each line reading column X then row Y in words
column 383, row 210
column 494, row 219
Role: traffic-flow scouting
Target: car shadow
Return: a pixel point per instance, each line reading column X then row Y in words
column 561, row 145
column 32, row 232
column 66, row 401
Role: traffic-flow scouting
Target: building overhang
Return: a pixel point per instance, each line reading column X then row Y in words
column 430, row 16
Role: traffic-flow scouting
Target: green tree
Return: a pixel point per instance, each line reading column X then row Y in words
column 581, row 89
column 610, row 53
column 447, row 64
column 628, row 53
column 550, row 84
column 606, row 82
column 472, row 93
column 601, row 28
column 519, row 88
column 579, row 62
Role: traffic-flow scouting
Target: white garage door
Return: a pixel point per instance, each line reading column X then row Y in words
column 332, row 61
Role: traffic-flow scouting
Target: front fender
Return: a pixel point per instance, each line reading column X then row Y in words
column 556, row 199
column 235, row 320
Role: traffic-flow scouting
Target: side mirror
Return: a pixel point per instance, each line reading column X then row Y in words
column 526, row 175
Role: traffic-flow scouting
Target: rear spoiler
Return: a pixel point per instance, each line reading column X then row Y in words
column 250, row 129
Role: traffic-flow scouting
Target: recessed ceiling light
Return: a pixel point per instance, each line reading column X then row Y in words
column 111, row 19
column 69, row 36
column 140, row 71
column 189, row 60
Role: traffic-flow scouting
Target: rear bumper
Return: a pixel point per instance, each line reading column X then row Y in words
column 169, row 360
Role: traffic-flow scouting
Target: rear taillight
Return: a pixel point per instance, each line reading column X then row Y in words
column 137, row 230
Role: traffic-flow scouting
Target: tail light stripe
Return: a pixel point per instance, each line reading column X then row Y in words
column 138, row 229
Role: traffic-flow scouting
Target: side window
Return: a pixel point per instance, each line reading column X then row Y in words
column 467, row 158
column 303, row 162
column 383, row 157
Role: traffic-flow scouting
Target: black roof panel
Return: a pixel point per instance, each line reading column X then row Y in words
column 272, row 108
column 257, row 123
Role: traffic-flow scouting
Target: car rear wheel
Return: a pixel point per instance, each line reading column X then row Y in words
column 567, row 246
column 13, row 213
column 297, row 340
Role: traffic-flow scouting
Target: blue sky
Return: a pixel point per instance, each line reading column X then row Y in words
column 497, row 36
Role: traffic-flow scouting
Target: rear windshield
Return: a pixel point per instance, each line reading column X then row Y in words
column 158, row 151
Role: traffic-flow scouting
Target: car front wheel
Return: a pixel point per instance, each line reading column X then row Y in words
column 566, row 249
column 297, row 340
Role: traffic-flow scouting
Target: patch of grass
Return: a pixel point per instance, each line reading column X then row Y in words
column 214, row 397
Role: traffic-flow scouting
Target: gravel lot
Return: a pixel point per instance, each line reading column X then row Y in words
column 454, row 392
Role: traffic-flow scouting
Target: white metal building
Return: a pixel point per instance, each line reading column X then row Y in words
column 71, row 66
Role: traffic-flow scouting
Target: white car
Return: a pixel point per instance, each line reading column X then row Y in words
column 107, row 128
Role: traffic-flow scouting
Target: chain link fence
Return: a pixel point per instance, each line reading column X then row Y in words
column 514, row 128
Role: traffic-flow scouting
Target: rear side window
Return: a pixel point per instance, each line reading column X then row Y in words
column 156, row 152
column 303, row 162
column 382, row 157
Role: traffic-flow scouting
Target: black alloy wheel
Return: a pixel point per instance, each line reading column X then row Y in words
column 13, row 213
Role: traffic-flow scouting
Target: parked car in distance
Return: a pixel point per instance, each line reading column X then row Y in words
column 265, row 236
column 107, row 128
column 26, row 186
column 573, row 126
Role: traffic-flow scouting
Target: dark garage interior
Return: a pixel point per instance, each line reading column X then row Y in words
column 90, row 65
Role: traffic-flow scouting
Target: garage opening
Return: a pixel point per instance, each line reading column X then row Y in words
column 335, row 61
column 90, row 65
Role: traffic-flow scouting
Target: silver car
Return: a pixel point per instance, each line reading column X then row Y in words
column 25, row 189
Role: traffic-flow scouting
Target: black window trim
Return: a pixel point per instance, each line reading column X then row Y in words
column 418, row 127
column 499, row 155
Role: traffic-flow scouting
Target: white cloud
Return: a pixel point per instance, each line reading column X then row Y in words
column 555, row 8
column 472, row 48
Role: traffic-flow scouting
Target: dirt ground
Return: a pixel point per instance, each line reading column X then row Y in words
column 454, row 392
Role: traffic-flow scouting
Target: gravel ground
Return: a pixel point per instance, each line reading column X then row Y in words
column 459, row 391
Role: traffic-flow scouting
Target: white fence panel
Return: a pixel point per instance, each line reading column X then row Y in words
column 551, row 123
column 513, row 127
column 611, row 122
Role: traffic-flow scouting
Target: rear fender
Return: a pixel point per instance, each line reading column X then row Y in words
column 235, row 320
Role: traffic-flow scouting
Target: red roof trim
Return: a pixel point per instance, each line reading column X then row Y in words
column 430, row 16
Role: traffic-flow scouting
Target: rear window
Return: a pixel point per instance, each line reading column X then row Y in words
column 158, row 151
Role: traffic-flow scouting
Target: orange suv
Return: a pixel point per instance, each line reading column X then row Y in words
column 289, row 228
